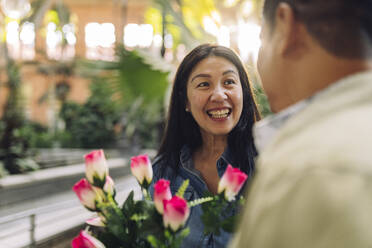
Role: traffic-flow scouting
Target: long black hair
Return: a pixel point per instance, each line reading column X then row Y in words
column 181, row 128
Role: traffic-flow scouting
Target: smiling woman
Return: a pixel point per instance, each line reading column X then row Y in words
column 211, row 113
column 214, row 96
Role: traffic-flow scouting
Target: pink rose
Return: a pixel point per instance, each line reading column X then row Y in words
column 161, row 192
column 96, row 221
column 141, row 168
column 86, row 194
column 96, row 168
column 231, row 182
column 176, row 213
column 84, row 240
column 109, row 186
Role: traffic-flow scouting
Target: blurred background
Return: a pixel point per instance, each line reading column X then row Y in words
column 77, row 75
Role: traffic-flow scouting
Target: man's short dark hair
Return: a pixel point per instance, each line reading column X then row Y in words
column 342, row 27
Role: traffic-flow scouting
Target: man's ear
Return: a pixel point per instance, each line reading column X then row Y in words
column 289, row 31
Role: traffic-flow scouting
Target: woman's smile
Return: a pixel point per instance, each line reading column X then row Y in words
column 219, row 114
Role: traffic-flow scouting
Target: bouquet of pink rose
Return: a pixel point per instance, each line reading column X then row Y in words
column 137, row 222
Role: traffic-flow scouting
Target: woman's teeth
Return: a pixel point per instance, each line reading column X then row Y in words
column 217, row 114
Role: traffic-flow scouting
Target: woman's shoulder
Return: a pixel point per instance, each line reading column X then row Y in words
column 157, row 166
column 161, row 169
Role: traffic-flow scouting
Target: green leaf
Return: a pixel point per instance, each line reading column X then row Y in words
column 212, row 222
column 107, row 238
column 211, row 216
column 153, row 225
column 139, row 217
column 153, row 241
column 139, row 78
column 128, row 205
column 115, row 222
column 229, row 223
column 97, row 181
column 184, row 233
column 182, row 188
column 180, row 237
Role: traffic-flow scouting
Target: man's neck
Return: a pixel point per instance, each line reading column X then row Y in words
column 318, row 71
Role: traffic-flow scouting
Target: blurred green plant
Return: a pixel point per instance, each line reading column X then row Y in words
column 14, row 145
column 132, row 75
column 15, row 139
column 143, row 123
column 184, row 18
column 3, row 171
column 37, row 135
column 261, row 98
column 260, row 95
column 92, row 124
column 140, row 83
column 137, row 78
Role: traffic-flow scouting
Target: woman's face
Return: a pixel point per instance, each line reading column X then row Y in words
column 214, row 95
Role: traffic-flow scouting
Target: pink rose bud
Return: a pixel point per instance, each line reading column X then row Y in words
column 84, row 240
column 176, row 213
column 141, row 168
column 231, row 182
column 96, row 168
column 96, row 221
column 161, row 192
column 109, row 186
column 86, row 194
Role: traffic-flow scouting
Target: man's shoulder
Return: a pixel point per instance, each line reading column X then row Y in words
column 314, row 199
column 162, row 170
column 338, row 134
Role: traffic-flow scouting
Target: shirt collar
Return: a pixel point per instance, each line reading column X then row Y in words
column 186, row 158
column 265, row 130
column 187, row 162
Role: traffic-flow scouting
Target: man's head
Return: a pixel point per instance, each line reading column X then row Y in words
column 299, row 35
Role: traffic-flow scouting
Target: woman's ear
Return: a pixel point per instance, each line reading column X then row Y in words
column 187, row 108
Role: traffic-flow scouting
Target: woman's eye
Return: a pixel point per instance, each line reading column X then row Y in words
column 203, row 84
column 227, row 82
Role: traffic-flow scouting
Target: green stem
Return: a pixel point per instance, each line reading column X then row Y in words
column 200, row 201
column 146, row 194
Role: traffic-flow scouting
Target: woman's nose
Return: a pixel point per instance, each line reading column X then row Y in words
column 218, row 94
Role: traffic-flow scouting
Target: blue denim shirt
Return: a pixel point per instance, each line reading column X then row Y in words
column 195, row 190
